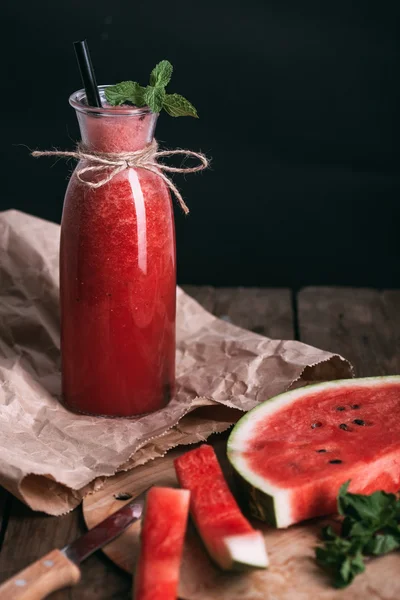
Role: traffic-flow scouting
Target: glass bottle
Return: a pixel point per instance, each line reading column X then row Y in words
column 117, row 275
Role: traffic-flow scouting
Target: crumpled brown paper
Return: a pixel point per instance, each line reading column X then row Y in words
column 49, row 457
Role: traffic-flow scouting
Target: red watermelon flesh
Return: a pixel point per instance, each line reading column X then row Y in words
column 162, row 537
column 228, row 536
column 295, row 450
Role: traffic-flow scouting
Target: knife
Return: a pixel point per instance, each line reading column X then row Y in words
column 59, row 568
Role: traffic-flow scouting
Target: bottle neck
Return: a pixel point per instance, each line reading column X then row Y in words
column 119, row 133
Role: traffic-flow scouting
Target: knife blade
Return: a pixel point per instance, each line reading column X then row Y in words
column 106, row 531
column 59, row 568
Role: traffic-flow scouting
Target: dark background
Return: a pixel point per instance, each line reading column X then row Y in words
column 299, row 105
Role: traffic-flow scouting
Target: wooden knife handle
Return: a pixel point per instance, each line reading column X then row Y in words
column 48, row 574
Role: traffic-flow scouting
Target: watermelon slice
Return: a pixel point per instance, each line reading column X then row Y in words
column 228, row 536
column 162, row 536
column 294, row 451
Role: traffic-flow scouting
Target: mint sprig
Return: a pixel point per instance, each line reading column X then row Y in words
column 153, row 95
column 178, row 106
column 161, row 74
column 126, row 91
column 371, row 527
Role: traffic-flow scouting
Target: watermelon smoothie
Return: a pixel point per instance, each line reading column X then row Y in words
column 117, row 275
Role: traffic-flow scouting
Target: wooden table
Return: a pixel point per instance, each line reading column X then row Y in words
column 361, row 324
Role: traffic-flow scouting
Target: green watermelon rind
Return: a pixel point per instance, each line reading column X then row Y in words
column 261, row 506
column 266, row 501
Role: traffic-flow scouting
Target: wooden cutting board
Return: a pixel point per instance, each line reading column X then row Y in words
column 293, row 574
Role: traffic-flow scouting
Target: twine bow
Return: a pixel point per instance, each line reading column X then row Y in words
column 111, row 164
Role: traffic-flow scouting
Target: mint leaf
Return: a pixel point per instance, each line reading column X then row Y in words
column 351, row 566
column 328, row 534
column 373, row 510
column 342, row 494
column 342, row 559
column 178, row 106
column 161, row 74
column 126, row 91
column 382, row 544
column 351, row 528
column 370, row 528
column 154, row 97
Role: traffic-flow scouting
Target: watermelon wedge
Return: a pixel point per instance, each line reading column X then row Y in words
column 228, row 536
column 162, row 536
column 294, row 451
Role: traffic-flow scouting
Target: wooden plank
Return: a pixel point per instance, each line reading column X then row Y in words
column 262, row 310
column 361, row 324
column 391, row 300
column 5, row 504
column 204, row 294
column 30, row 535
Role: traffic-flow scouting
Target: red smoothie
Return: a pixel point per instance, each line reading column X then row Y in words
column 117, row 276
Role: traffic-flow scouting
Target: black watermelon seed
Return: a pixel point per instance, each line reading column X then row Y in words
column 340, row 408
column 355, row 406
column 344, row 427
column 335, row 461
column 317, row 424
column 322, row 450
column 359, row 422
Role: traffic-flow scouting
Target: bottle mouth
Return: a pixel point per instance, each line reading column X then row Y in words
column 78, row 101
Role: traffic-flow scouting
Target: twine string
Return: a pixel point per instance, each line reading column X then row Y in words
column 110, row 164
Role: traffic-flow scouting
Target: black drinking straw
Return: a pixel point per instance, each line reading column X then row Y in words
column 87, row 73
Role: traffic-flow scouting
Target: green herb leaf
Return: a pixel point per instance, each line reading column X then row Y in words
column 342, row 559
column 370, row 528
column 126, row 91
column 161, row 74
column 382, row 544
column 351, row 566
column 328, row 534
column 178, row 106
column 342, row 494
column 117, row 94
column 154, row 97
column 377, row 508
